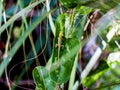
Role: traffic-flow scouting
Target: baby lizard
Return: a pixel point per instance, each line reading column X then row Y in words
column 59, row 45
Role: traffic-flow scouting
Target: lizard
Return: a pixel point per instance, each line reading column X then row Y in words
column 59, row 45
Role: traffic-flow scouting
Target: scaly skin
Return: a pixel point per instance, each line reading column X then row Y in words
column 59, row 45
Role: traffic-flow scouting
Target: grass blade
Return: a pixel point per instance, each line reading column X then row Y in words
column 14, row 49
column 19, row 14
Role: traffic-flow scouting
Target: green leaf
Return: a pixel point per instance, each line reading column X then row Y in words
column 42, row 79
column 73, row 74
column 68, row 53
column 103, row 5
column 69, row 3
column 83, row 10
column 95, row 75
column 70, row 45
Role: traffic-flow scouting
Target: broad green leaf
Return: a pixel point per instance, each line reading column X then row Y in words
column 95, row 75
column 42, row 79
column 108, row 81
column 68, row 53
column 69, row 46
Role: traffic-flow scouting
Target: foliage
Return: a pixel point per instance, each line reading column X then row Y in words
column 69, row 47
column 67, row 21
